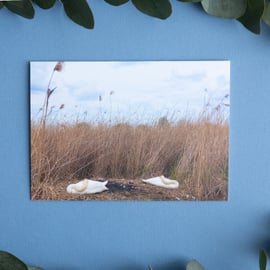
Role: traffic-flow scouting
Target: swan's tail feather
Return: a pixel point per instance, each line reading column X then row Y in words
column 105, row 183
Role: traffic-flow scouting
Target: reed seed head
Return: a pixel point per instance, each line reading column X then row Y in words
column 59, row 66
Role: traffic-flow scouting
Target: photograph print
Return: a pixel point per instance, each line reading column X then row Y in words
column 134, row 130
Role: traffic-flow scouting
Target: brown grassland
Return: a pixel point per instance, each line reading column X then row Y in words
column 194, row 152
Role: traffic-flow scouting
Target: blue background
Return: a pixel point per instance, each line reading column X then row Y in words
column 132, row 235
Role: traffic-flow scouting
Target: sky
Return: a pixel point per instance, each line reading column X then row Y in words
column 134, row 92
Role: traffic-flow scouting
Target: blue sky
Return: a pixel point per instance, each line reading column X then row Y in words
column 138, row 92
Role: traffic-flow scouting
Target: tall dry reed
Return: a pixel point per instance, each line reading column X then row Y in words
column 193, row 152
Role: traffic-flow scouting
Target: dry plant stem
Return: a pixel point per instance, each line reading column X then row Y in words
column 46, row 101
column 42, row 126
column 42, row 129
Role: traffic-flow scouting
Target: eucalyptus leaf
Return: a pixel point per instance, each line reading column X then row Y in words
column 262, row 260
column 116, row 2
column 194, row 265
column 23, row 8
column 230, row 9
column 10, row 262
column 266, row 13
column 161, row 9
column 252, row 17
column 79, row 12
column 45, row 4
column 34, row 268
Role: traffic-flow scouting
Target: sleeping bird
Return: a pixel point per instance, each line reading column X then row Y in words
column 162, row 181
column 87, row 186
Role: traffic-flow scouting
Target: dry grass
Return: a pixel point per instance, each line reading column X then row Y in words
column 193, row 152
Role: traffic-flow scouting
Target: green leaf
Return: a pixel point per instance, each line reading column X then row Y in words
column 1, row 5
column 252, row 17
column 23, row 8
column 79, row 12
column 194, row 265
column 262, row 260
column 45, row 4
column 161, row 9
column 266, row 13
column 34, row 268
column 116, row 2
column 10, row 262
column 230, row 9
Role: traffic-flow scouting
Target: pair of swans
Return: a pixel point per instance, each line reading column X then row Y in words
column 87, row 186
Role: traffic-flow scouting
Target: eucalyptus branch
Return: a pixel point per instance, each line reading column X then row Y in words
column 251, row 13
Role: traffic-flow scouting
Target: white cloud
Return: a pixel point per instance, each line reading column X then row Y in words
column 144, row 88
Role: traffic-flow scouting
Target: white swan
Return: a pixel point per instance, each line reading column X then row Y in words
column 162, row 181
column 87, row 186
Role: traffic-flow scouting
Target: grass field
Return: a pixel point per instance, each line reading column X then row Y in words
column 194, row 152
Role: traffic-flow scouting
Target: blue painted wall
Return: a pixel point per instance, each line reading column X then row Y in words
column 132, row 235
